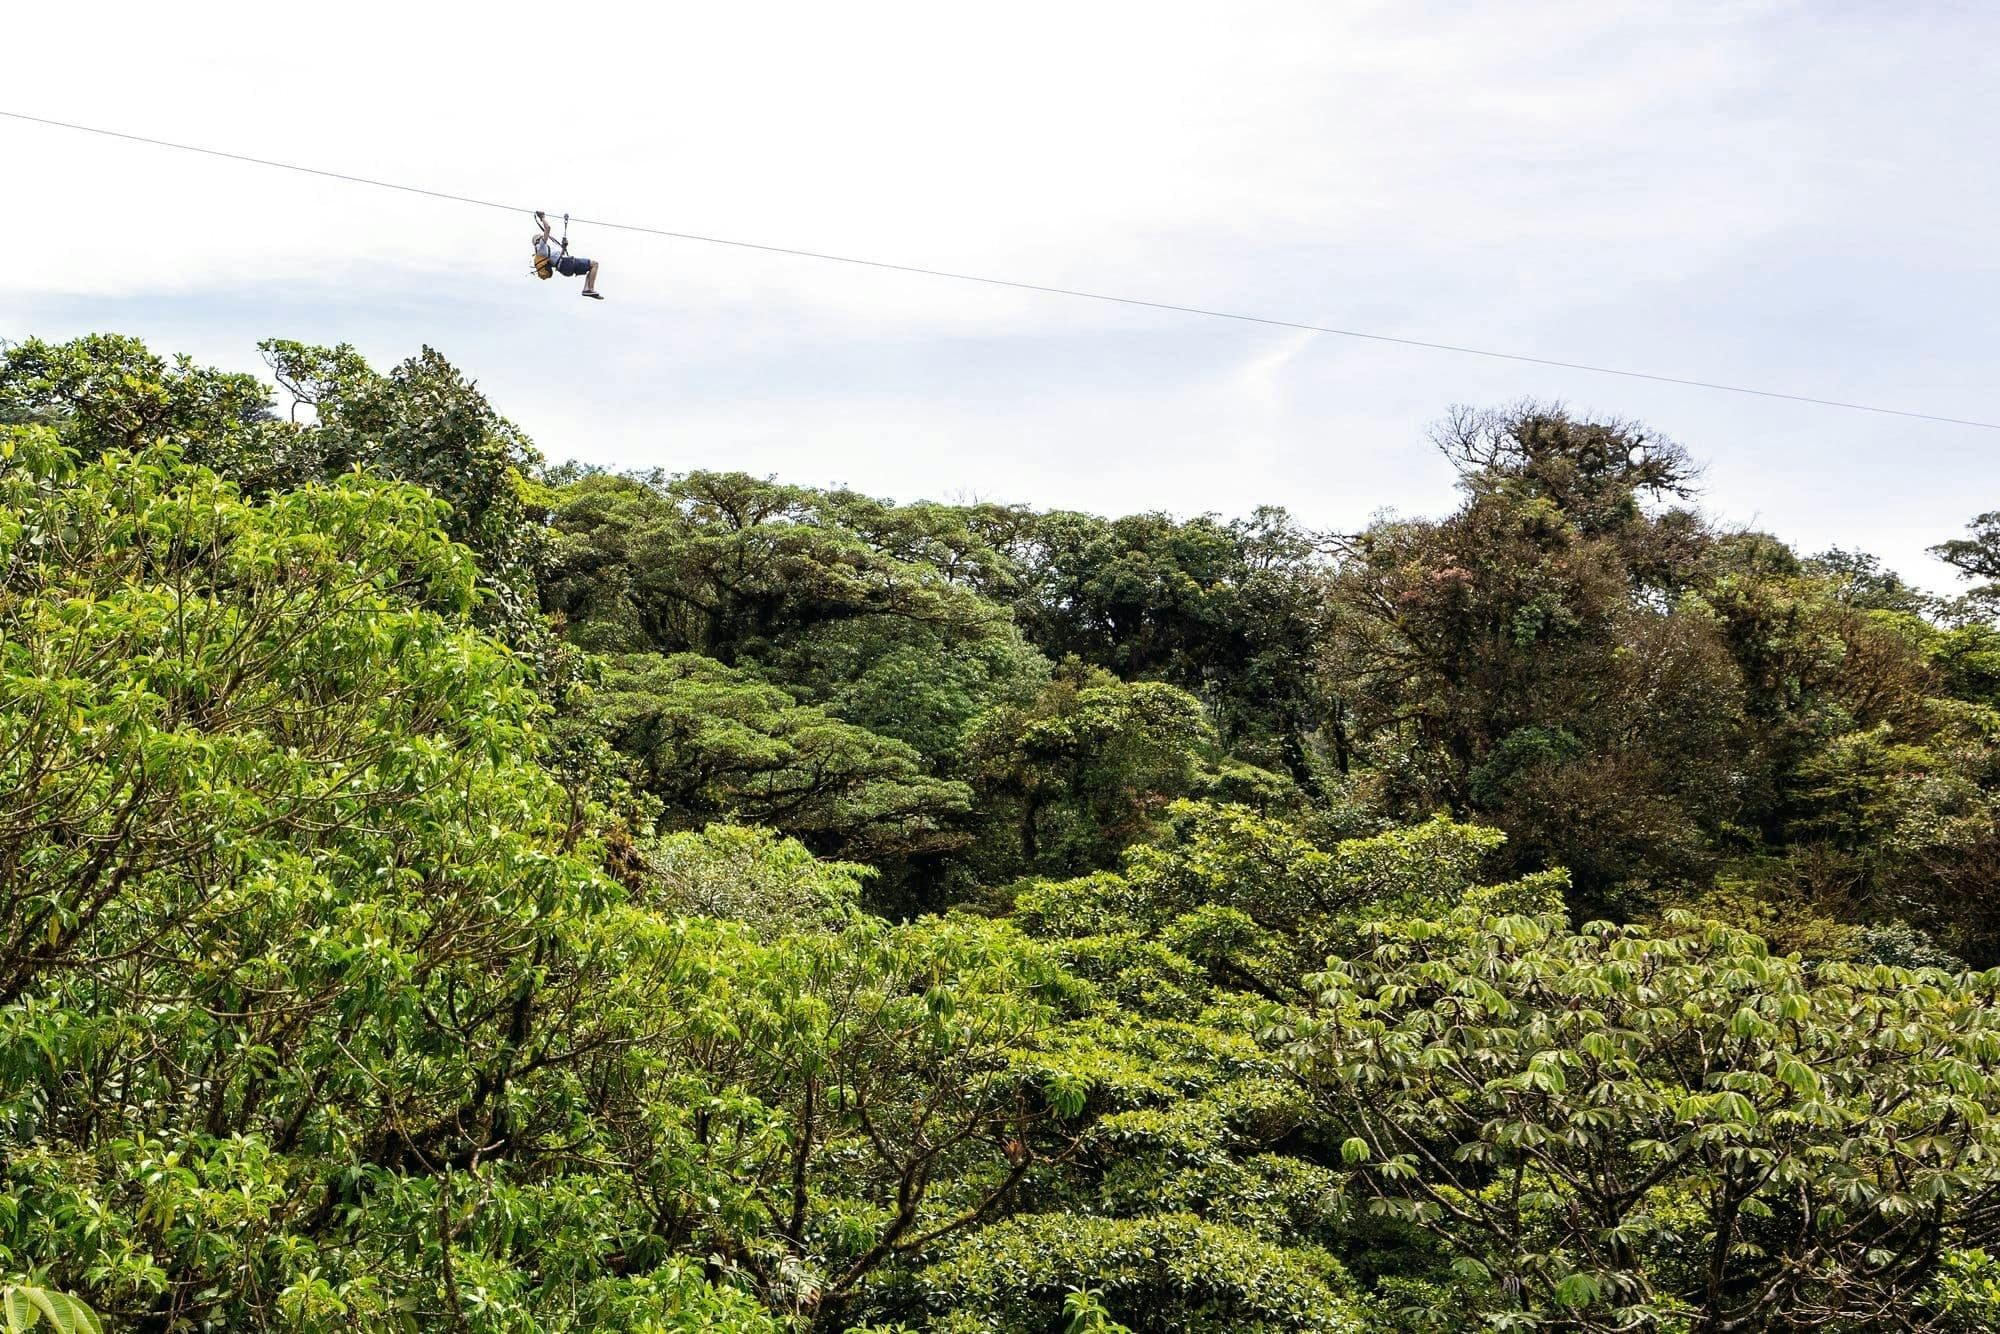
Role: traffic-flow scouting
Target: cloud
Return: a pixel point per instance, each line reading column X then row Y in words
column 1697, row 191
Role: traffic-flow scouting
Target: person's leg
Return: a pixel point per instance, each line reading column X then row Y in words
column 590, row 279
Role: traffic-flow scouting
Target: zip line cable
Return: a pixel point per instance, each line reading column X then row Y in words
column 984, row 280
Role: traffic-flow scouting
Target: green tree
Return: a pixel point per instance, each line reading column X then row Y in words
column 1085, row 769
column 1615, row 1129
column 1977, row 557
column 1204, row 1191
column 732, row 567
column 298, row 945
column 818, row 1108
column 1626, row 692
column 1226, row 611
column 1536, row 659
column 426, row 423
column 1172, row 1273
column 423, row 423
column 714, row 742
column 744, row 874
column 867, row 611
column 107, row 391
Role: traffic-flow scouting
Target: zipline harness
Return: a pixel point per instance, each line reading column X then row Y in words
column 543, row 268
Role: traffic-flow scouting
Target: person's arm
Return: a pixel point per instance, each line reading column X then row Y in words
column 543, row 219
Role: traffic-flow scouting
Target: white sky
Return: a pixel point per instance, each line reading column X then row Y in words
column 1800, row 196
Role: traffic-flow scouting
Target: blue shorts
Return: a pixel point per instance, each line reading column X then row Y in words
column 570, row 266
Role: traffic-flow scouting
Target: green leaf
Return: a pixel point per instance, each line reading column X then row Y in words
column 59, row 1308
column 1577, row 1290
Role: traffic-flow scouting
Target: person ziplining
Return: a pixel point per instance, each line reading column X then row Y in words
column 549, row 260
column 552, row 257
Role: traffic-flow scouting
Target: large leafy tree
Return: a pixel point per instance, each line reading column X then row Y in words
column 1977, row 556
column 1534, row 655
column 108, row 391
column 1084, row 770
column 1626, row 692
column 283, row 893
column 711, row 741
column 822, row 1110
column 1204, row 1191
column 1225, row 610
column 732, row 567
column 426, row 423
column 1619, row 1129
column 869, row 611
column 423, row 423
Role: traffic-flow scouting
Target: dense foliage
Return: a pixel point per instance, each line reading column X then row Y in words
column 439, row 890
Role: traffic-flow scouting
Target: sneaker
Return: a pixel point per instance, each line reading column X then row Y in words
column 594, row 296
